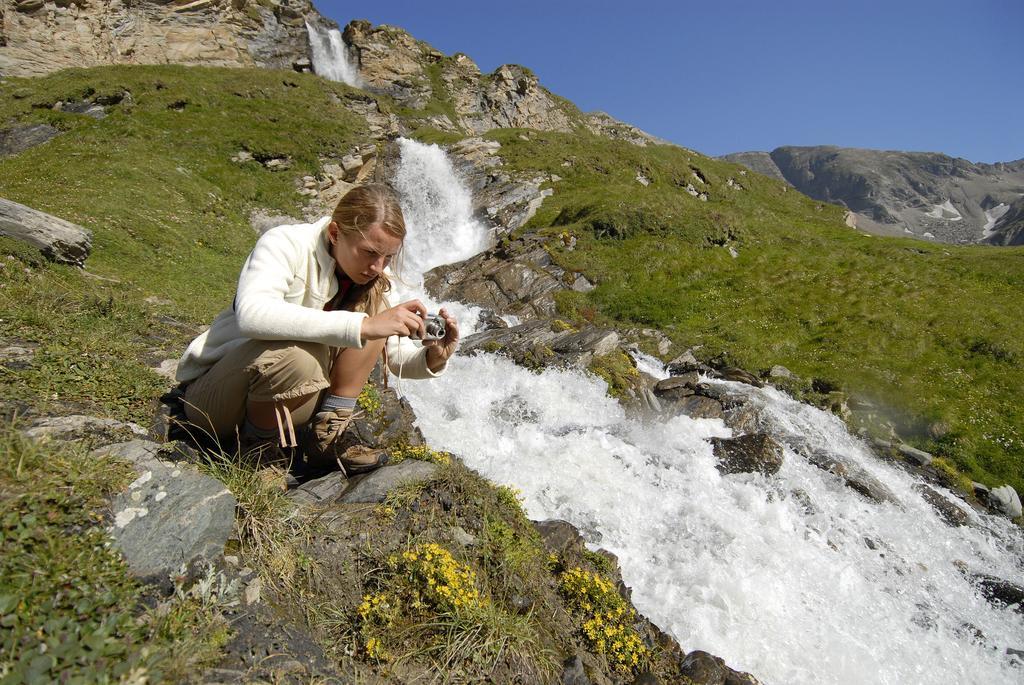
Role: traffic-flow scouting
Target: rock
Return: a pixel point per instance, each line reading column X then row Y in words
column 392, row 422
column 560, row 537
column 321, row 490
column 855, row 477
column 949, row 512
column 999, row 592
column 1005, row 500
column 780, row 372
column 20, row 138
column 748, row 453
column 253, row 591
column 597, row 341
column 535, row 345
column 59, row 240
column 488, row 321
column 732, row 373
column 573, row 672
column 79, row 427
column 707, row 669
column 462, row 537
column 743, row 419
column 46, row 38
column 981, row 490
column 699, row 407
column 915, row 456
column 374, row 487
column 170, row 515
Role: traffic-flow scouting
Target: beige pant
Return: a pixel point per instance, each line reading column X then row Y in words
column 259, row 370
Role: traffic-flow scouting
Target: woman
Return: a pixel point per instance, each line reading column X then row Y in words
column 309, row 320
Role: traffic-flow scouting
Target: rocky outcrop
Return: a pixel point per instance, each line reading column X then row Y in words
column 915, row 194
column 58, row 240
column 757, row 452
column 41, row 36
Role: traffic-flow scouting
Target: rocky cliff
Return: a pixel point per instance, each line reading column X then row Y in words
column 922, row 194
column 41, row 36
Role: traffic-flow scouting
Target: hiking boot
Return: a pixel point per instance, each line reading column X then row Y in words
column 362, row 459
column 324, row 447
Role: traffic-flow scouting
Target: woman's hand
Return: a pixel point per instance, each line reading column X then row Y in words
column 403, row 320
column 438, row 351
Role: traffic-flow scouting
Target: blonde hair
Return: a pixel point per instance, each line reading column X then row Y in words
column 360, row 208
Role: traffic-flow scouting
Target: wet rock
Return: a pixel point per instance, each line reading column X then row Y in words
column 1005, row 500
column 999, row 592
column 743, row 419
column 855, row 477
column 517, row 279
column 949, row 512
column 699, row 407
column 374, row 487
column 914, row 455
column 20, row 138
column 732, row 373
column 706, row 669
column 170, row 515
column 488, row 320
column 748, row 453
column 535, row 344
column 677, row 387
column 58, row 240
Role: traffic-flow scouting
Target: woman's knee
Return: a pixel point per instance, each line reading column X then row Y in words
column 288, row 369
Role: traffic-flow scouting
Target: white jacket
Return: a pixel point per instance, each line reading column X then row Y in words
column 284, row 285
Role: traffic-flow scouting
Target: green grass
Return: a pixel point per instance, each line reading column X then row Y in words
column 69, row 611
column 932, row 333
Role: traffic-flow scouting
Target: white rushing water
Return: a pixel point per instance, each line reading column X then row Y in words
column 794, row 578
column 330, row 56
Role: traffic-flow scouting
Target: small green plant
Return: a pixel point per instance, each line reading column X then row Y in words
column 369, row 399
column 605, row 619
column 617, row 370
column 421, row 453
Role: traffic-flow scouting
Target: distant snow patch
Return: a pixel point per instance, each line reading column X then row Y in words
column 992, row 216
column 945, row 211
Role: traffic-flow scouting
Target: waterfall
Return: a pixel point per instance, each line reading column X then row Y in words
column 330, row 56
column 795, row 578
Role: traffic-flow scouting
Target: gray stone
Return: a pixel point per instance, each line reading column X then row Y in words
column 77, row 427
column 707, row 669
column 20, row 138
column 732, row 373
column 374, row 487
column 1005, row 500
column 59, row 240
column 462, row 537
column 778, row 371
column 560, row 537
column 915, row 456
column 748, row 453
column 321, row 490
column 169, row 516
column 573, row 672
column 253, row 591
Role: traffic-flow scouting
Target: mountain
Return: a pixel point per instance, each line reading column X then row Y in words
column 41, row 36
column 922, row 194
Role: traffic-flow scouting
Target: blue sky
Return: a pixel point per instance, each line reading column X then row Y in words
column 725, row 77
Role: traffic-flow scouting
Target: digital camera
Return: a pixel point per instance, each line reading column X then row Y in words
column 434, row 325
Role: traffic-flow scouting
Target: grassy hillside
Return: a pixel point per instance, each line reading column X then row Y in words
column 934, row 334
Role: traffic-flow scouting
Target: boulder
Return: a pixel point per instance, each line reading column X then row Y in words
column 59, row 240
column 560, row 537
column 748, row 453
column 170, row 516
column 1005, row 500
column 375, row 486
column 20, row 138
column 732, row 373
column 699, row 407
column 386, row 420
column 998, row 592
column 915, row 456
